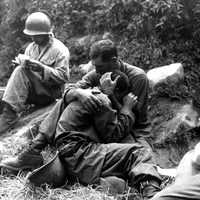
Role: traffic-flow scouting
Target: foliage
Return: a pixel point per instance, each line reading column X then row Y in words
column 149, row 33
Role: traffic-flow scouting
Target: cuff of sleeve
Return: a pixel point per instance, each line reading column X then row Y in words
column 68, row 99
column 128, row 112
column 47, row 73
column 65, row 97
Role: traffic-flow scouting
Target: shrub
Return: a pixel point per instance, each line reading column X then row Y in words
column 148, row 33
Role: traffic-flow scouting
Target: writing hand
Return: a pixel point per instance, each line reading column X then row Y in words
column 33, row 65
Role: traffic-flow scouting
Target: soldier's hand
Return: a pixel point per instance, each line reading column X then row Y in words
column 88, row 100
column 130, row 101
column 33, row 65
column 20, row 59
column 14, row 63
column 106, row 83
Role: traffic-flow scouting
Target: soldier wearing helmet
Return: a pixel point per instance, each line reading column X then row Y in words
column 40, row 74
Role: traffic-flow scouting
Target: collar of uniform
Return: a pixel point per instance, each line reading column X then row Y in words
column 50, row 42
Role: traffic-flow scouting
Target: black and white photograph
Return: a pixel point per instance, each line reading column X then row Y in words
column 99, row 100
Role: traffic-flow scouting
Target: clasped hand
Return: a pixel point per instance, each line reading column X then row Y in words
column 89, row 100
column 107, row 84
column 130, row 101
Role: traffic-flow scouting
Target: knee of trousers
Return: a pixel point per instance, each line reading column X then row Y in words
column 145, row 154
column 18, row 70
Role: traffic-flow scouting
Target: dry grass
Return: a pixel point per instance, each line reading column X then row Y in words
column 16, row 188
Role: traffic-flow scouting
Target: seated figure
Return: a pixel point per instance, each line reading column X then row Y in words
column 187, row 179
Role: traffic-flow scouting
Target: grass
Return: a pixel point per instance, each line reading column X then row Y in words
column 16, row 188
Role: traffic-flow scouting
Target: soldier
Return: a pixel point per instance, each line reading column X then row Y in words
column 187, row 179
column 41, row 72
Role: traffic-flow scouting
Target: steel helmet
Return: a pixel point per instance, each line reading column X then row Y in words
column 37, row 23
column 52, row 173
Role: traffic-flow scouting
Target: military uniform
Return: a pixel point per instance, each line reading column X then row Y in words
column 90, row 153
column 26, row 86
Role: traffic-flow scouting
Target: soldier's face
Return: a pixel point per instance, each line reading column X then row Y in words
column 40, row 39
column 102, row 66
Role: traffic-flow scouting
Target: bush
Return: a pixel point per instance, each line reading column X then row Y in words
column 148, row 33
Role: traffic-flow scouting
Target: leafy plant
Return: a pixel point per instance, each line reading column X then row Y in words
column 148, row 33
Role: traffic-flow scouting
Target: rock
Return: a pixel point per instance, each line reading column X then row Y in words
column 174, row 130
column 170, row 73
column 186, row 118
column 85, row 68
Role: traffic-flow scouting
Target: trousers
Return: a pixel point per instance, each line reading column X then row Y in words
column 88, row 161
column 25, row 87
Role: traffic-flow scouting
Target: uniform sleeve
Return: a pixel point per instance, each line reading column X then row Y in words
column 87, row 81
column 140, row 87
column 60, row 72
column 113, row 126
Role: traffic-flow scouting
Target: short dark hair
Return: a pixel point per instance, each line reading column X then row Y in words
column 104, row 48
column 123, row 83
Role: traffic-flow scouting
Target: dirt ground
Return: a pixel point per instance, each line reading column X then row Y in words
column 170, row 139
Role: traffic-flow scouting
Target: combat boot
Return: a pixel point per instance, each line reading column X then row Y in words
column 149, row 188
column 30, row 158
column 113, row 185
column 8, row 118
